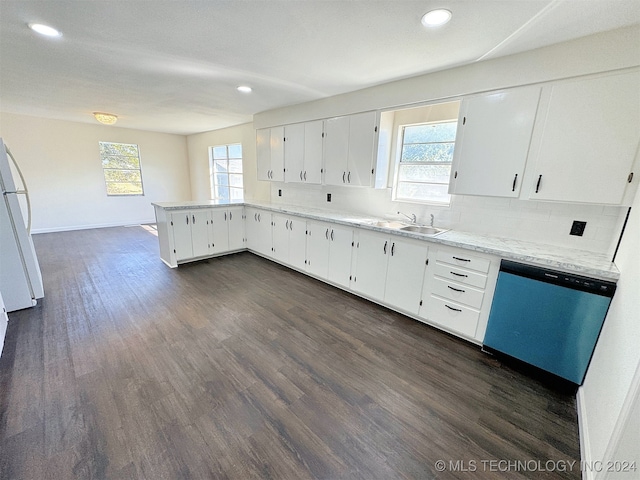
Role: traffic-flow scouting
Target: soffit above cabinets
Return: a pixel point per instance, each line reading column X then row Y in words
column 175, row 66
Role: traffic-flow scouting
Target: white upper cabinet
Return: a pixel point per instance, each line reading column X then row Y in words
column 492, row 142
column 263, row 153
column 270, row 153
column 586, row 139
column 294, row 152
column 313, row 148
column 336, row 150
column 363, row 136
column 349, row 149
column 277, row 154
column 303, row 152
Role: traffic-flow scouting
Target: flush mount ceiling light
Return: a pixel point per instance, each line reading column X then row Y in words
column 45, row 30
column 106, row 118
column 436, row 18
column 245, row 89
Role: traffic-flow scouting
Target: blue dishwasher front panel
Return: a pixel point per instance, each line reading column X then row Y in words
column 550, row 326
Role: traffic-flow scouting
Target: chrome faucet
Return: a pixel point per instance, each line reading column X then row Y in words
column 413, row 217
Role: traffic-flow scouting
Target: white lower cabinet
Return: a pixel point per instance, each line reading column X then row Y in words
column 237, row 238
column 190, row 231
column 329, row 251
column 219, row 231
column 258, row 225
column 370, row 273
column 457, row 291
column 289, row 240
column 405, row 273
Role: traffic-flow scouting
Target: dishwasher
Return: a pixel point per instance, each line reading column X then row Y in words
column 547, row 318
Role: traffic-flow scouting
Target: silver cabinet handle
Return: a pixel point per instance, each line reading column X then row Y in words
column 451, row 308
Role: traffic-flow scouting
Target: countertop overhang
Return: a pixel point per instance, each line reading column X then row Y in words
column 581, row 262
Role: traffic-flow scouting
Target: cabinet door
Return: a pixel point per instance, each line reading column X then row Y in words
column 297, row 242
column 263, row 153
column 259, row 231
column 340, row 252
column 363, row 133
column 181, row 227
column 200, row 219
column 313, row 146
column 492, row 142
column 280, row 232
column 236, row 228
column 372, row 252
column 336, row 150
column 318, row 249
column 219, row 230
column 405, row 272
column 294, row 153
column 277, row 154
column 588, row 142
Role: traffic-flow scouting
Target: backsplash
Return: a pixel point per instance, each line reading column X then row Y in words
column 541, row 222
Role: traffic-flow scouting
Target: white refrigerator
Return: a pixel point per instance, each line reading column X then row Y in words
column 20, row 277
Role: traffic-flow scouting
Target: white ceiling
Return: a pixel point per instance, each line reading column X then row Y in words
column 173, row 66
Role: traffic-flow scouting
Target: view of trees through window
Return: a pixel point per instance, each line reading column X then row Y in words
column 121, row 167
column 425, row 162
column 225, row 172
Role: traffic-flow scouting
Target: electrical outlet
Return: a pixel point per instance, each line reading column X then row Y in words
column 279, row 192
column 328, row 197
column 577, row 228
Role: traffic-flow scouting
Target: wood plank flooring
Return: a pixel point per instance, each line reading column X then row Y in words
column 239, row 368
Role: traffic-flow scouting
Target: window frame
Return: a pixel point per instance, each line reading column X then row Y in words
column 398, row 163
column 213, row 186
column 104, row 170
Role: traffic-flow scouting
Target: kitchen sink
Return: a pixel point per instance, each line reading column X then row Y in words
column 390, row 224
column 423, row 230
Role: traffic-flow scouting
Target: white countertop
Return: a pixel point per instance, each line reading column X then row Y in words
column 559, row 258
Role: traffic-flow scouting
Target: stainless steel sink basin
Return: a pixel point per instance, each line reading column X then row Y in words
column 390, row 224
column 423, row 230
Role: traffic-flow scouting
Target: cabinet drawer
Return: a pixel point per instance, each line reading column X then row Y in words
column 463, row 260
column 458, row 275
column 453, row 316
column 458, row 293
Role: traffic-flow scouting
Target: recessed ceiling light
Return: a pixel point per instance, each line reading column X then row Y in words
column 244, row 89
column 45, row 30
column 436, row 18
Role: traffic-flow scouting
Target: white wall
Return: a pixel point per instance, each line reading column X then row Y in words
column 61, row 164
column 610, row 378
column 198, row 148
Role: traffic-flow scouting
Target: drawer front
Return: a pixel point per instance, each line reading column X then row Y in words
column 453, row 316
column 458, row 293
column 461, row 259
column 458, row 275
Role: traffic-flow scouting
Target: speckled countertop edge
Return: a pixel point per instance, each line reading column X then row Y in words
column 568, row 260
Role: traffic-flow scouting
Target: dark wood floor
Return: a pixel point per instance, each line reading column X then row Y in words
column 240, row 368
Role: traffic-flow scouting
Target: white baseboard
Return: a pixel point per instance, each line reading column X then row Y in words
column 69, row 228
column 583, row 432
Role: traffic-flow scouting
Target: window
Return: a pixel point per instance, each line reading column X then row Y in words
column 121, row 168
column 424, row 164
column 225, row 171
